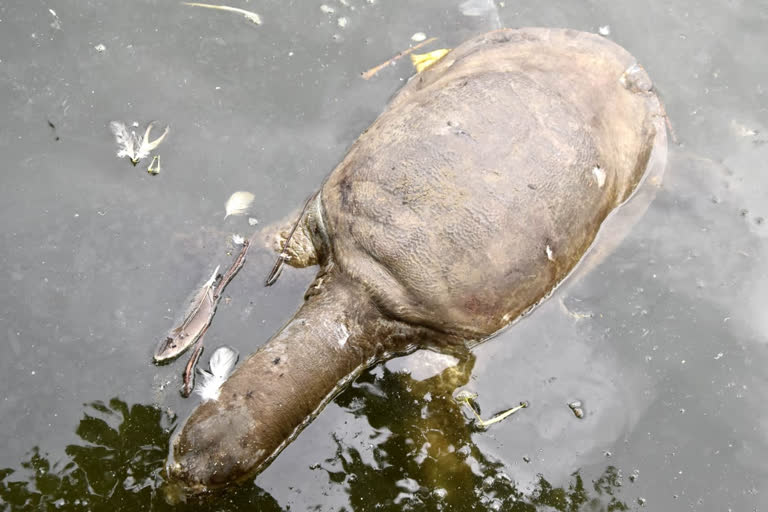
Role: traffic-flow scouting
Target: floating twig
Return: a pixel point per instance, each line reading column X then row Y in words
column 230, row 273
column 188, row 378
column 372, row 72
column 250, row 16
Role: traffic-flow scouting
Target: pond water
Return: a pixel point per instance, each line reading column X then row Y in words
column 662, row 337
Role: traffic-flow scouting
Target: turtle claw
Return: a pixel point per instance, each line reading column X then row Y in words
column 469, row 398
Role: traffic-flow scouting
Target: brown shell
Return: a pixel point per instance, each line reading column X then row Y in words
column 476, row 191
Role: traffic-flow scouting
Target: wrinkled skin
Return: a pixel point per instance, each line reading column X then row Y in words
column 462, row 206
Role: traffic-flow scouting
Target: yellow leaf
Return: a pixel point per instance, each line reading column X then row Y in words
column 424, row 60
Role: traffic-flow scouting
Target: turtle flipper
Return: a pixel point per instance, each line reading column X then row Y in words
column 296, row 245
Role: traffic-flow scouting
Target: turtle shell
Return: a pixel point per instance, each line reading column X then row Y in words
column 488, row 176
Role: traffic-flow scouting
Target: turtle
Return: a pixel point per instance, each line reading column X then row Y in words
column 468, row 200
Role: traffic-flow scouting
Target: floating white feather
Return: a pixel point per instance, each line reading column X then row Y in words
column 238, row 203
column 130, row 145
column 126, row 141
column 147, row 146
column 221, row 364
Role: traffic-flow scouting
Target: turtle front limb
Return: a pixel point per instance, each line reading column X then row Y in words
column 301, row 243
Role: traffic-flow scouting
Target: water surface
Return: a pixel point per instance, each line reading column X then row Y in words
column 663, row 338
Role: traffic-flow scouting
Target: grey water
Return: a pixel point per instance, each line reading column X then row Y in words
column 663, row 337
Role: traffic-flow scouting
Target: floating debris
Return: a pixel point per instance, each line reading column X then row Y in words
column 423, row 61
column 56, row 23
column 342, row 22
column 238, row 203
column 198, row 320
column 327, row 9
column 53, row 129
column 372, row 72
column 418, row 37
column 193, row 326
column 238, row 239
column 477, row 7
column 221, row 364
column 577, row 409
column 469, row 398
column 154, row 166
column 250, row 16
column 252, row 221
column 742, row 130
column 188, row 378
column 604, row 30
column 129, row 144
column 100, row 48
column 578, row 315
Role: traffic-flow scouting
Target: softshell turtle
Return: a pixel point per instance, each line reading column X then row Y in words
column 461, row 207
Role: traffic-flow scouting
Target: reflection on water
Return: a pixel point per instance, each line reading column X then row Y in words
column 422, row 458
column 117, row 467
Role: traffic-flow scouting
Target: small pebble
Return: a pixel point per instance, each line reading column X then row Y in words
column 576, row 407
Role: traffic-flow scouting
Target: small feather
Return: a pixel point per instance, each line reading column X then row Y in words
column 222, row 363
column 147, row 146
column 208, row 386
column 126, row 141
column 238, row 203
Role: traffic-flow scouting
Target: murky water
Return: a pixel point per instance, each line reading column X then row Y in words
column 664, row 339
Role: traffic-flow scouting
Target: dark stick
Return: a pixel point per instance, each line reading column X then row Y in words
column 234, row 269
column 188, row 378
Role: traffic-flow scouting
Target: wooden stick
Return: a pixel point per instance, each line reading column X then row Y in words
column 372, row 72
column 188, row 377
column 230, row 273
